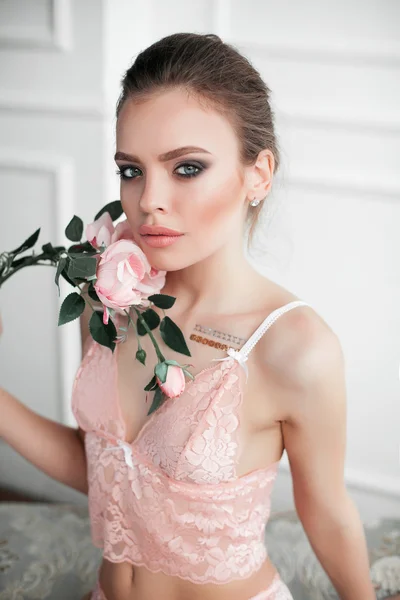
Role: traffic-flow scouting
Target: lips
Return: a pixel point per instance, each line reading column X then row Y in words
column 157, row 230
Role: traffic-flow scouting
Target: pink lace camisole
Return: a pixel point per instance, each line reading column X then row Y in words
column 172, row 500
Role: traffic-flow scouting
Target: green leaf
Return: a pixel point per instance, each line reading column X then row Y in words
column 173, row 336
column 61, row 264
column 158, row 399
column 101, row 333
column 92, row 292
column 82, row 267
column 71, row 308
column 152, row 319
column 84, row 247
column 162, row 300
column 170, row 361
column 64, row 274
column 141, row 356
column 28, row 243
column 161, row 370
column 74, row 229
column 20, row 261
column 151, row 385
column 114, row 209
column 49, row 249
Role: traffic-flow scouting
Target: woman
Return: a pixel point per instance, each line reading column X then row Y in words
column 178, row 510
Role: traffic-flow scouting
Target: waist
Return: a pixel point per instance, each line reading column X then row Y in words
column 220, row 561
column 124, row 581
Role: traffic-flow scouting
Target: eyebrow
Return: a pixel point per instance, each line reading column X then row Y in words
column 164, row 157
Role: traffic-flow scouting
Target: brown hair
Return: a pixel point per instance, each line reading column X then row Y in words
column 216, row 73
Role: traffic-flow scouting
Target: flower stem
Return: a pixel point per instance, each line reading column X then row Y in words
column 30, row 262
column 160, row 356
column 135, row 329
column 87, row 299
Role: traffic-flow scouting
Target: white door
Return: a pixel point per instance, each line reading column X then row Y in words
column 51, row 167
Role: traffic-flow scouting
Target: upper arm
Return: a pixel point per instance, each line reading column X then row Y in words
column 81, row 434
column 315, row 429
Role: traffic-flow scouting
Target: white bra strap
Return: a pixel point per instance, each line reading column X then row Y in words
column 271, row 318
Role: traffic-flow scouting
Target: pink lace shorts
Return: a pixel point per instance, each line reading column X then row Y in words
column 278, row 590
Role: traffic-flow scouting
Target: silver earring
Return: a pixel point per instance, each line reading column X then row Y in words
column 254, row 202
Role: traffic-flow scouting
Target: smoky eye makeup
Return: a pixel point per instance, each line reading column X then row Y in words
column 195, row 169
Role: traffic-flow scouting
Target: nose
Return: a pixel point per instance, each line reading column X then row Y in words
column 154, row 196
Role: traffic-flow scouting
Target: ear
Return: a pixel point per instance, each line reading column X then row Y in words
column 260, row 175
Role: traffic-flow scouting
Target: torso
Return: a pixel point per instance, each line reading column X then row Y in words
column 263, row 412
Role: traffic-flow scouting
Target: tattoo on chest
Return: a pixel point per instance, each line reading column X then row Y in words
column 224, row 337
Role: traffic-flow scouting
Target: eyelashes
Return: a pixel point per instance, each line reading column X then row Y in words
column 199, row 169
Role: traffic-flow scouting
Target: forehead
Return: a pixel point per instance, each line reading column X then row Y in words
column 172, row 119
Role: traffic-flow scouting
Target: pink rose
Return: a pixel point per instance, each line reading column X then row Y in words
column 100, row 231
column 174, row 383
column 122, row 231
column 121, row 268
column 152, row 282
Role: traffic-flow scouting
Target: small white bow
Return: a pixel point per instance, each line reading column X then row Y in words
column 134, row 480
column 237, row 356
column 126, row 449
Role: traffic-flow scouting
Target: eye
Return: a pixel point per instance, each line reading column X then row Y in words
column 122, row 172
column 191, row 167
column 193, row 171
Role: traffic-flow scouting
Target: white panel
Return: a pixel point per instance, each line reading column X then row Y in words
column 58, row 363
column 80, row 140
column 29, row 346
column 364, row 162
column 36, row 24
column 52, row 74
column 347, row 29
column 363, row 96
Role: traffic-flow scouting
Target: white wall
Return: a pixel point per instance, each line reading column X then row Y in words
column 331, row 237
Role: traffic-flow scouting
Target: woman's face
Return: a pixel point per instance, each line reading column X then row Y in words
column 200, row 193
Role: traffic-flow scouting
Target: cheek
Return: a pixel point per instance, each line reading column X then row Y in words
column 217, row 209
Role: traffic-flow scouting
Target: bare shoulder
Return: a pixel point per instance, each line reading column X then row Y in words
column 306, row 358
column 299, row 346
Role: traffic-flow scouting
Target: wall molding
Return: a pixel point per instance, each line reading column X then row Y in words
column 382, row 53
column 355, row 184
column 59, row 37
column 378, row 123
column 62, row 172
column 79, row 106
column 358, row 54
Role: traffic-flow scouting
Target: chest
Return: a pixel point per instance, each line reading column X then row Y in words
column 245, row 416
column 223, row 425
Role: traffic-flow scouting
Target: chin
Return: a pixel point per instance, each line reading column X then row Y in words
column 168, row 263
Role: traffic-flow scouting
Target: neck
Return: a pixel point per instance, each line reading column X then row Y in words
column 219, row 284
